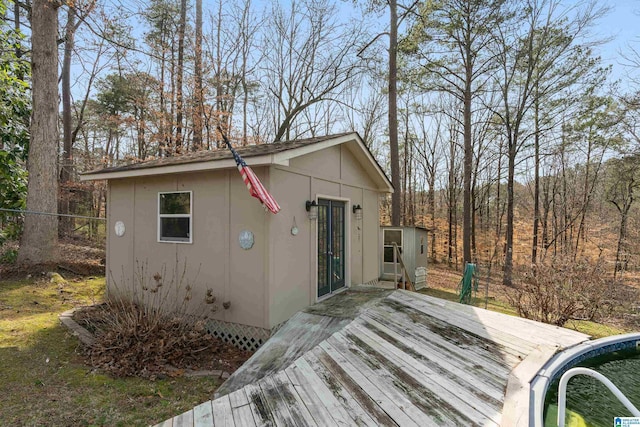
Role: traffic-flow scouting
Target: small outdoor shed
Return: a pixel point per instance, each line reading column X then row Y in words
column 412, row 243
column 194, row 213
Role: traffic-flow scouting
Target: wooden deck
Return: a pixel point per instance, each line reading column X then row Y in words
column 407, row 360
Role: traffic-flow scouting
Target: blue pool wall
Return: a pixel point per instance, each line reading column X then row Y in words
column 567, row 359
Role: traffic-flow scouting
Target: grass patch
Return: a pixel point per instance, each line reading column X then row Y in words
column 43, row 380
column 596, row 330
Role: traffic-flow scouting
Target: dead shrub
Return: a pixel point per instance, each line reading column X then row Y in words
column 562, row 289
column 151, row 328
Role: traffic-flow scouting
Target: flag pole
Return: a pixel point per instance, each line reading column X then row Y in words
column 255, row 187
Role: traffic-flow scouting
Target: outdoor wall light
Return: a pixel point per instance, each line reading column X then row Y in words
column 312, row 208
column 357, row 210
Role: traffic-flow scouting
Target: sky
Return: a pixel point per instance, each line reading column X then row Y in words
column 620, row 25
column 623, row 25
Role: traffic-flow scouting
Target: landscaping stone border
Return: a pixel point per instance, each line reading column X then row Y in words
column 83, row 335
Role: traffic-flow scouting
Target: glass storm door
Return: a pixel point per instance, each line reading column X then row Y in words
column 330, row 246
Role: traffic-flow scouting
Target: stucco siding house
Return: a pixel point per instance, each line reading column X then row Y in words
column 195, row 211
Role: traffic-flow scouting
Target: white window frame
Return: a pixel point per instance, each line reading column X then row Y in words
column 189, row 215
column 384, row 230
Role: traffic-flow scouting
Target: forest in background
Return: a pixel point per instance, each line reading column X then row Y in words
column 500, row 126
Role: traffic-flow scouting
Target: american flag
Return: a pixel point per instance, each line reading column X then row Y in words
column 255, row 187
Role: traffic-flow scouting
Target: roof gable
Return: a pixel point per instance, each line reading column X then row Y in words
column 277, row 153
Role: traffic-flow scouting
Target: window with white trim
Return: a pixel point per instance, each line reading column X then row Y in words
column 390, row 237
column 174, row 217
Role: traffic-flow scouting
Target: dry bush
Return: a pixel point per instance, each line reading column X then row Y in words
column 562, row 289
column 149, row 328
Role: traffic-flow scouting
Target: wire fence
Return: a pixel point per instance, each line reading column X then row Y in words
column 81, row 245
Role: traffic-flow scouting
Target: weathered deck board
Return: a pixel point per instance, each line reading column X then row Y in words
column 357, row 393
column 341, row 394
column 222, row 413
column 537, row 332
column 483, row 375
column 379, row 377
column 517, row 398
column 506, row 352
column 241, row 409
column 388, row 400
column 405, row 360
column 290, row 395
column 306, row 329
column 337, row 411
column 261, row 413
column 482, row 369
column 540, row 331
column 491, row 332
column 203, row 415
column 184, row 420
column 318, row 411
column 279, row 407
column 435, row 366
column 440, row 406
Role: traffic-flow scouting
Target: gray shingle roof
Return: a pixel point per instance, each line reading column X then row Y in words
column 221, row 154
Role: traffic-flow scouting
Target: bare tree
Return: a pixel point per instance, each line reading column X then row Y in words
column 451, row 41
column 621, row 192
column 538, row 53
column 395, row 20
column 248, row 25
column 313, row 59
column 365, row 112
column 429, row 145
column 74, row 11
column 162, row 17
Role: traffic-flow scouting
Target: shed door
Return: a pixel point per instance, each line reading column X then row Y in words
column 331, row 246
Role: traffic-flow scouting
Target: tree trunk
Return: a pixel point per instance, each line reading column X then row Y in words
column 451, row 204
column 246, row 46
column 566, row 219
column 623, row 208
column 163, row 143
column 66, row 164
column 622, row 236
column 536, row 184
column 412, row 201
column 67, row 145
column 468, row 160
column 507, row 279
column 474, row 210
column 219, row 75
column 498, row 199
column 141, row 131
column 405, row 174
column 432, row 212
column 171, row 101
column 16, row 26
column 198, row 94
column 586, row 196
column 546, row 207
column 180, row 74
column 393, row 114
column 39, row 242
